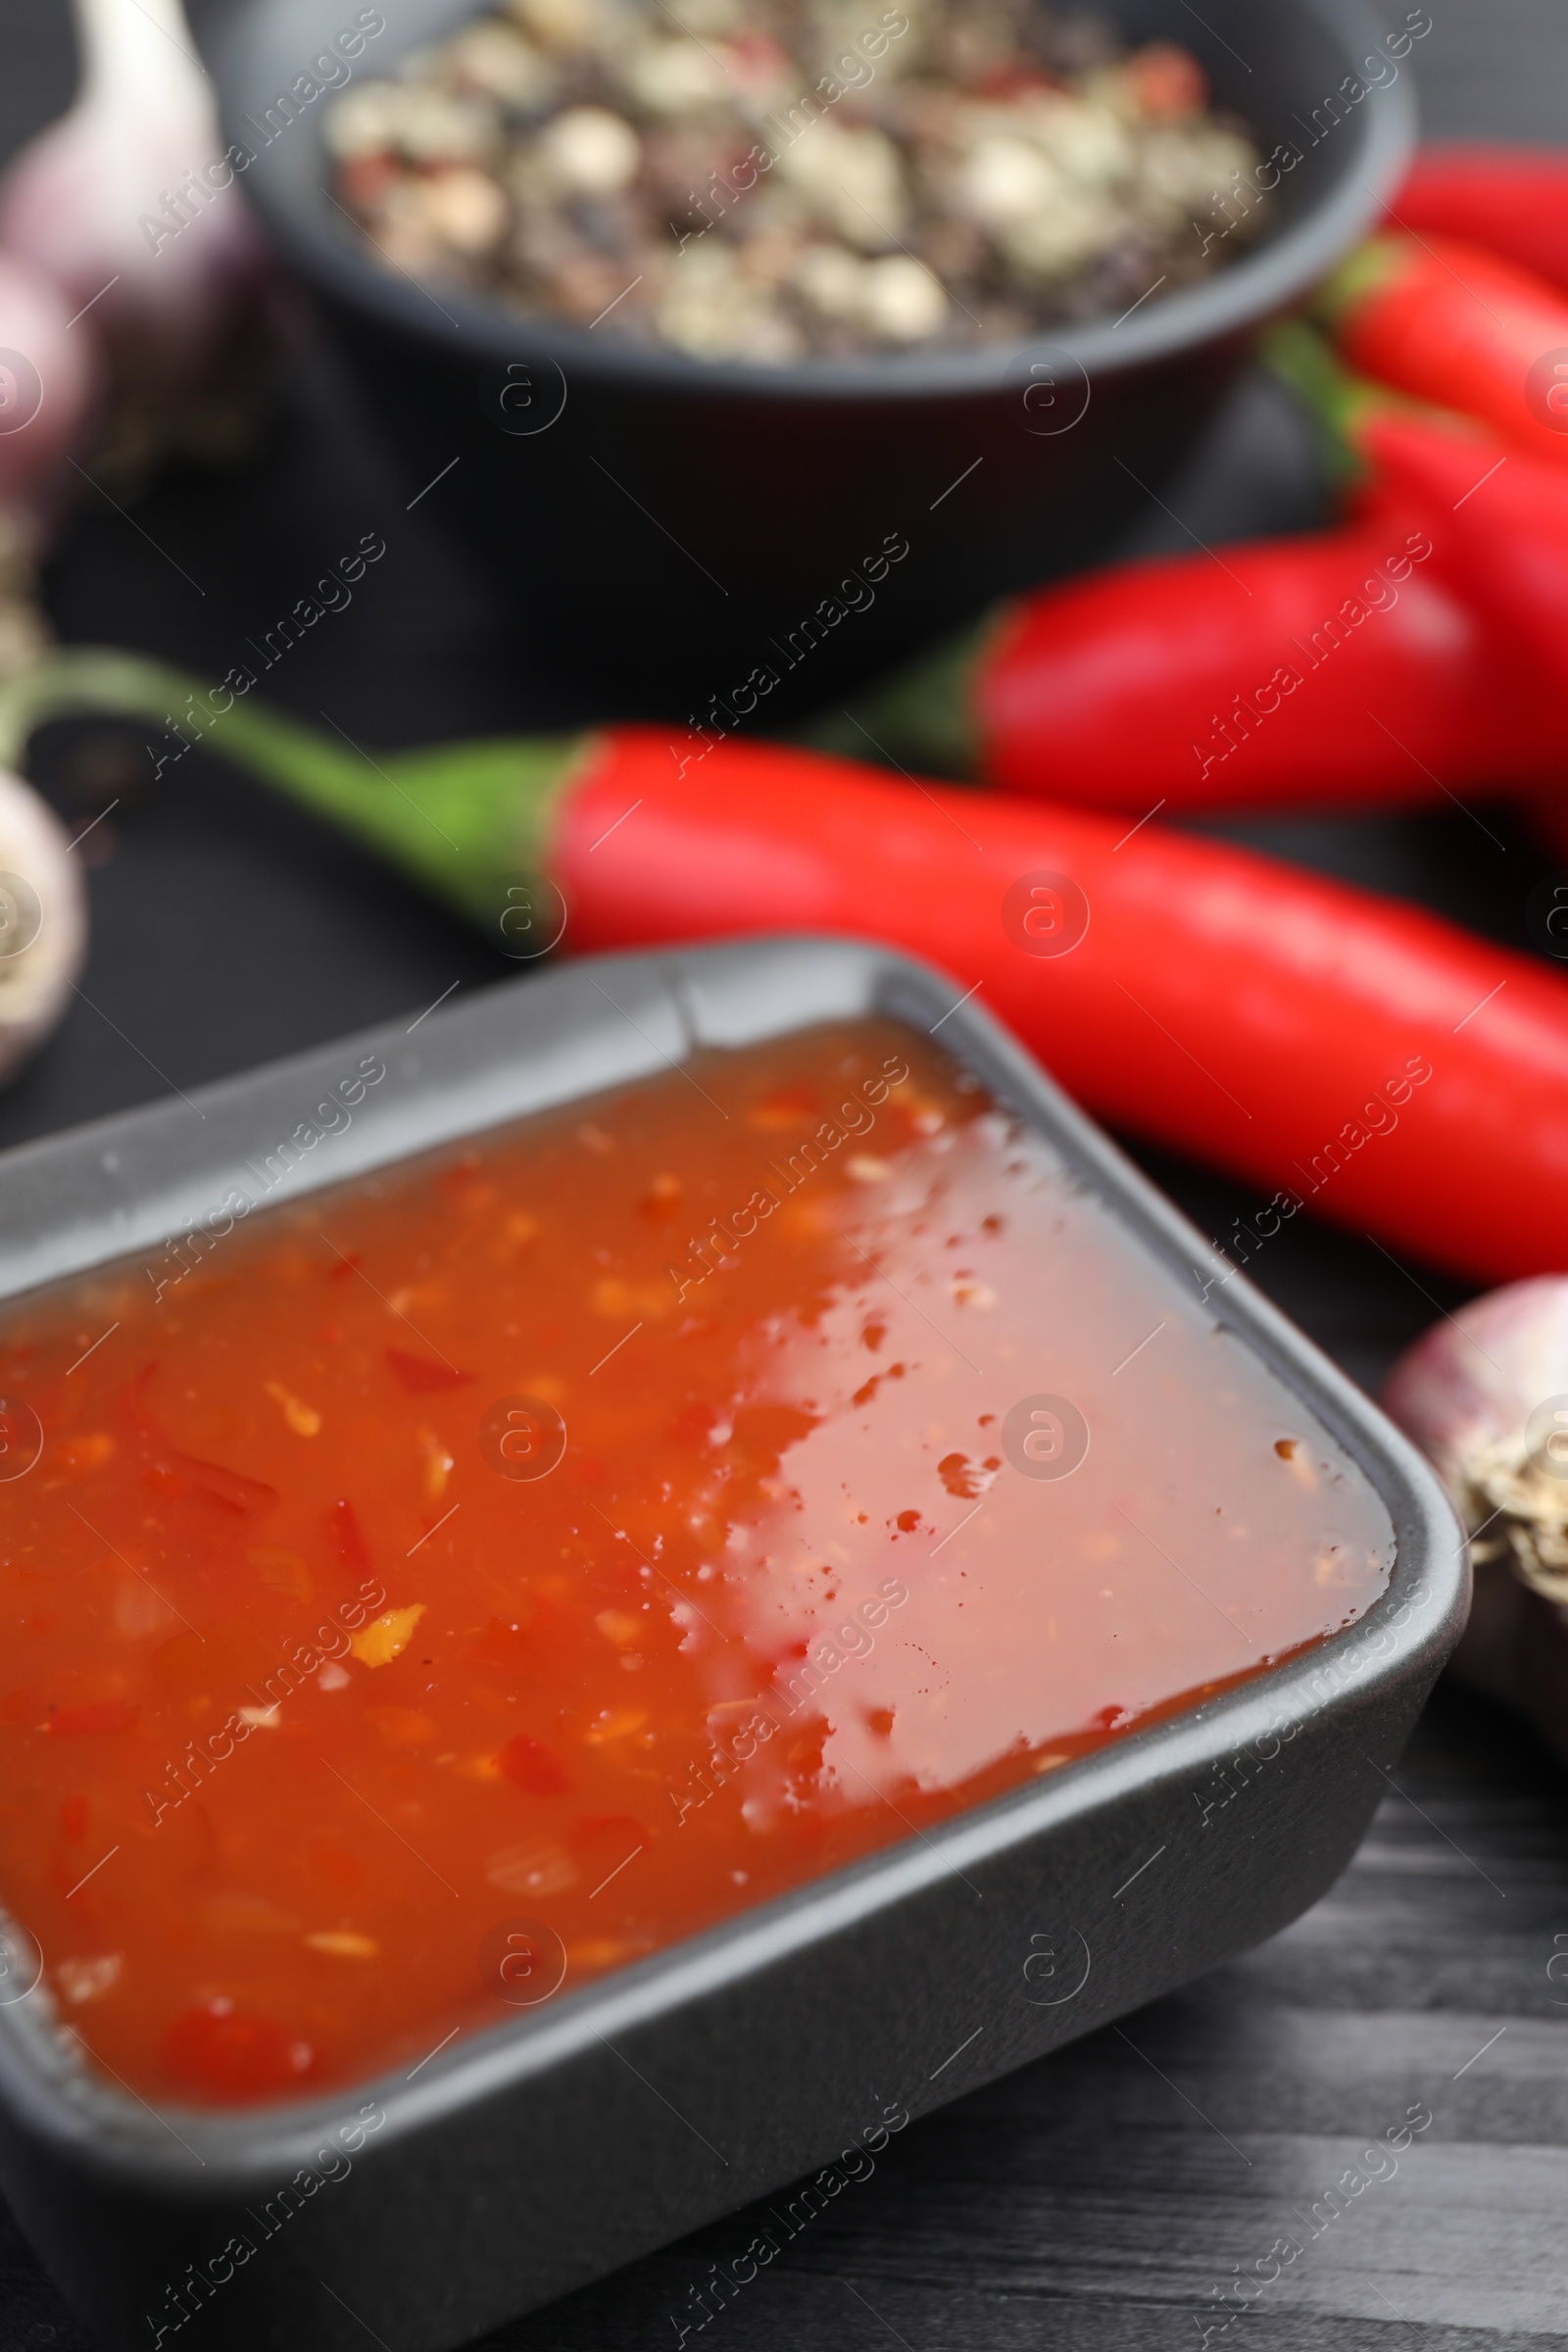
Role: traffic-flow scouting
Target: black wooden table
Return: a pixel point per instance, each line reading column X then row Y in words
column 1093, row 2202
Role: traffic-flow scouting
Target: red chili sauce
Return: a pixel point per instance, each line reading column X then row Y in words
column 472, row 1578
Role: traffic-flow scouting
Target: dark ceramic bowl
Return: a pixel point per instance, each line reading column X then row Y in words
column 519, row 2161
column 665, row 524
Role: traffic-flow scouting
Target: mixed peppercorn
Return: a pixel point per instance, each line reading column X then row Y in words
column 770, row 179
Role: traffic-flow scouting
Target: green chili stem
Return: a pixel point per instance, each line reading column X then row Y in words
column 921, row 715
column 1340, row 402
column 463, row 819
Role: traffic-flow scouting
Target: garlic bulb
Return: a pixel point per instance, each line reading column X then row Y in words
column 43, row 922
column 127, row 203
column 49, row 385
column 1485, row 1395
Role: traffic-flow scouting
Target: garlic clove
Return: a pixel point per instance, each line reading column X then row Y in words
column 43, row 922
column 1485, row 1395
column 50, row 383
column 128, row 202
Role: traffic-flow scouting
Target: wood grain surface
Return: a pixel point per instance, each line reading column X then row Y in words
column 1095, row 2202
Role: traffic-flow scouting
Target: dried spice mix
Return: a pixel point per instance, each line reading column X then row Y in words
column 771, row 180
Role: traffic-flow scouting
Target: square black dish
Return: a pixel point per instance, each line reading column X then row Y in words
column 435, row 2201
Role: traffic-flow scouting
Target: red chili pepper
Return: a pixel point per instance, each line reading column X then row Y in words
column 1508, row 521
column 1513, row 200
column 1451, row 323
column 1339, row 1049
column 1327, row 1045
column 1318, row 671
column 1332, row 669
column 1501, row 523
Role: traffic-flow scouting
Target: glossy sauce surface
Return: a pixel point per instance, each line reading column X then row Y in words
column 473, row 1577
